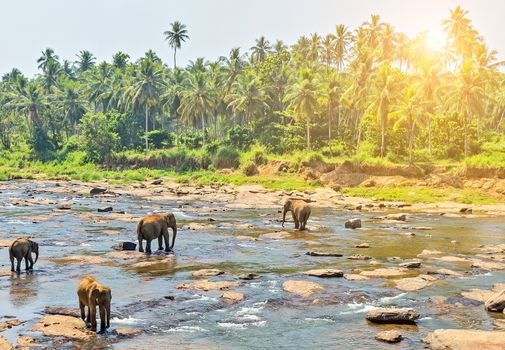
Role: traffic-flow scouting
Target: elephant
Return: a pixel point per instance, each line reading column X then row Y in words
column 300, row 210
column 92, row 293
column 23, row 248
column 156, row 226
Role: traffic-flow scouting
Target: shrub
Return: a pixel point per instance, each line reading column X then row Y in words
column 226, row 157
column 98, row 138
column 250, row 169
column 240, row 137
column 160, row 139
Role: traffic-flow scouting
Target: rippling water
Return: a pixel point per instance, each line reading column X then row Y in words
column 270, row 317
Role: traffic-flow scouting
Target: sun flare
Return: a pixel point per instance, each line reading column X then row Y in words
column 436, row 40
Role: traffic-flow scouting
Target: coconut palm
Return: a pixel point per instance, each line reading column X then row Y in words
column 176, row 35
column 120, row 60
column 343, row 39
column 247, row 96
column 48, row 55
column 260, row 50
column 85, row 60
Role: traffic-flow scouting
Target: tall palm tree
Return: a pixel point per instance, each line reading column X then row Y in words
column 342, row 40
column 99, row 86
column 328, row 50
column 120, row 60
column 247, row 96
column 332, row 94
column 47, row 56
column 302, row 98
column 409, row 111
column 314, row 47
column 460, row 30
column 146, row 89
column 260, row 50
column 28, row 98
column 176, row 35
column 50, row 76
column 85, row 60
column 197, row 100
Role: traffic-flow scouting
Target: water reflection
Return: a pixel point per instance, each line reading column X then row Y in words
column 23, row 288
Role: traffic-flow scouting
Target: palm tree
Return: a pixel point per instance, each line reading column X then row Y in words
column 314, row 47
column 461, row 32
column 197, row 100
column 85, row 61
column 302, row 98
column 146, row 89
column 175, row 37
column 247, row 96
column 260, row 50
column 27, row 98
column 72, row 103
column 373, row 31
column 50, row 76
column 333, row 92
column 120, row 60
column 279, row 47
column 342, row 40
column 409, row 111
column 47, row 56
column 99, row 86
column 328, row 50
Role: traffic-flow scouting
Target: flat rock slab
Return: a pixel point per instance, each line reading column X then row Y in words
column 464, row 339
column 302, row 288
column 488, row 265
column 277, row 235
column 126, row 332
column 207, row 285
column 478, row 294
column 355, row 277
column 125, row 255
column 415, row 264
column 391, row 336
column 233, row 297
column 207, row 273
column 385, row 272
column 395, row 316
column 5, row 345
column 324, row 273
column 337, row 255
column 153, row 261
column 82, row 260
column 429, row 253
column 447, row 272
column 450, row 258
column 10, row 323
column 358, row 257
column 62, row 326
column 61, row 310
column 414, row 283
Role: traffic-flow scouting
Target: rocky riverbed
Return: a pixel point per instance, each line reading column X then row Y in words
column 237, row 279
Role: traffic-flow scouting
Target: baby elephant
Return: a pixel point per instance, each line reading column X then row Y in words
column 156, row 226
column 300, row 210
column 23, row 248
column 91, row 293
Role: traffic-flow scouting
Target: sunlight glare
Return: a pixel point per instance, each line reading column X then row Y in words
column 436, row 40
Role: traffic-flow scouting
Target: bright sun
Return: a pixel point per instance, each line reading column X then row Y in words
column 436, row 40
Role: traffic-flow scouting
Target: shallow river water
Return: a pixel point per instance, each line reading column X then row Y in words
column 269, row 317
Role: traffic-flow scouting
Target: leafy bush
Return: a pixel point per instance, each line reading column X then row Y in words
column 98, row 138
column 226, row 157
column 160, row 139
column 240, row 137
column 250, row 169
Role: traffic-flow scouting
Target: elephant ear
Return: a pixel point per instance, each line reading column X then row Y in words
column 94, row 295
column 170, row 219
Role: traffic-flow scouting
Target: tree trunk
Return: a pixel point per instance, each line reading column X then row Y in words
column 411, row 143
column 175, row 58
column 464, row 137
column 383, row 138
column 329, row 129
column 203, row 127
column 147, row 128
column 308, row 134
column 429, row 136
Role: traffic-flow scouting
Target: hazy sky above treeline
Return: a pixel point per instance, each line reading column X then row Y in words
column 215, row 26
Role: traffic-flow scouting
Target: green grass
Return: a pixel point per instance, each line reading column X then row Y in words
column 277, row 182
column 422, row 195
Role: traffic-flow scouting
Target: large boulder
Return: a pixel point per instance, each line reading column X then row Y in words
column 396, row 316
column 414, row 283
column 97, row 190
column 302, row 288
column 353, row 223
column 496, row 303
column 465, row 339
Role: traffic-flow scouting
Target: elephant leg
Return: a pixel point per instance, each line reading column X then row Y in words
column 30, row 259
column 166, row 237
column 102, row 318
column 12, row 263
column 295, row 219
column 83, row 314
column 160, row 242
column 27, row 266
column 18, row 267
column 302, row 225
column 148, row 246
column 88, row 318
column 92, row 312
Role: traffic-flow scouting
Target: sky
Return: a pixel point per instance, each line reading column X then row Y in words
column 215, row 26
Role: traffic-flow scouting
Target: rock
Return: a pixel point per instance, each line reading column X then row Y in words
column 500, row 324
column 466, row 210
column 487, row 265
column 355, row 277
column 336, row 187
column 5, row 345
column 157, row 182
column 250, row 169
column 448, row 272
column 61, row 310
column 358, row 257
column 302, row 288
column 97, row 190
column 10, row 323
column 363, row 245
column 207, row 285
column 62, row 326
column 126, row 332
column 415, row 264
column 248, row 238
column 64, row 206
column 207, row 272
column 353, row 223
column 249, row 276
column 338, row 255
column 481, row 295
column 396, row 316
column 414, row 283
column 25, row 342
column 397, row 217
column 105, row 209
column 465, row 339
column 324, row 273
column 496, row 302
column 82, row 260
column 391, row 336
column 277, row 235
column 385, row 272
column 427, row 252
column 121, row 246
column 452, row 259
column 233, row 296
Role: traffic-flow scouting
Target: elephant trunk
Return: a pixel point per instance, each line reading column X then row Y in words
column 284, row 216
column 174, row 229
column 36, row 255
